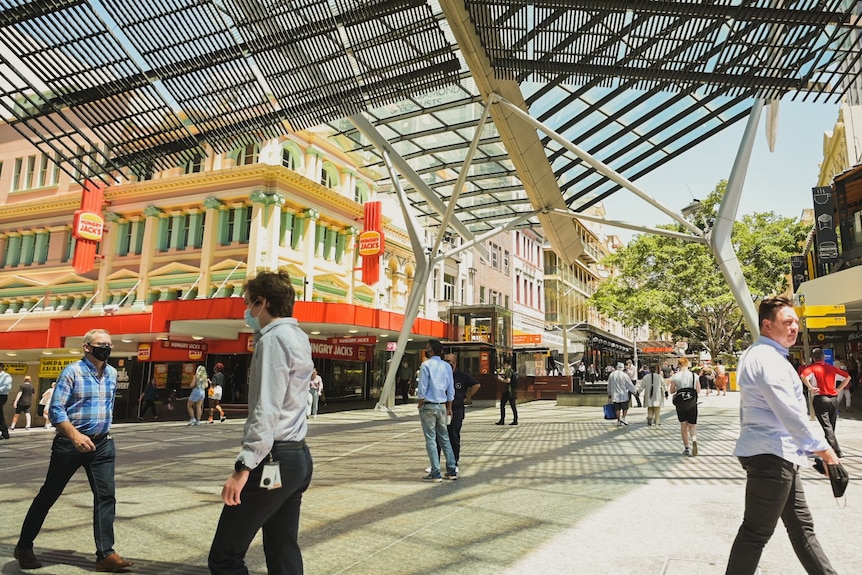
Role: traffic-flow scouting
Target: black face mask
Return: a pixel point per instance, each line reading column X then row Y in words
column 100, row 353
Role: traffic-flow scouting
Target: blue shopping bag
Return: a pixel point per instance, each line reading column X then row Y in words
column 610, row 412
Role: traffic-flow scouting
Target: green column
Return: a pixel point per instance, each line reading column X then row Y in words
column 42, row 237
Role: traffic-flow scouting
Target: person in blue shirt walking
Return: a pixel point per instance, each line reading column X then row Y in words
column 436, row 392
column 81, row 410
column 774, row 442
column 5, row 388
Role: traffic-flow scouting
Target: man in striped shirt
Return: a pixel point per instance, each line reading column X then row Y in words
column 81, row 411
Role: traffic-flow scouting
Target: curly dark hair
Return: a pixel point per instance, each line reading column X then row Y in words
column 276, row 288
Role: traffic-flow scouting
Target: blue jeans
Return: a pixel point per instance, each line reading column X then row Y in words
column 274, row 510
column 65, row 461
column 773, row 490
column 433, row 417
column 315, row 400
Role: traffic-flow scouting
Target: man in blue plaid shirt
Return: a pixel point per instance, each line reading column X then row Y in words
column 81, row 411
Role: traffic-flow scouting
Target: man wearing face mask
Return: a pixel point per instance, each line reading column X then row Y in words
column 274, row 467
column 81, row 411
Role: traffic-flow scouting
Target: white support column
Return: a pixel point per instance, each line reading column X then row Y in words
column 720, row 235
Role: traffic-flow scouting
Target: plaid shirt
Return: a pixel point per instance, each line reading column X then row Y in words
column 83, row 398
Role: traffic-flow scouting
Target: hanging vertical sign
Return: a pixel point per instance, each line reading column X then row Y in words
column 88, row 226
column 798, row 271
column 371, row 243
column 824, row 222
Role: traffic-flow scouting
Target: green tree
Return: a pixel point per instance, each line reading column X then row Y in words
column 676, row 286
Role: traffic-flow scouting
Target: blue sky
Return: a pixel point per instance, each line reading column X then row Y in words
column 780, row 181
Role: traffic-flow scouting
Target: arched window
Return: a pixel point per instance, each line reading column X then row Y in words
column 329, row 176
column 361, row 192
column 246, row 155
column 291, row 157
column 194, row 166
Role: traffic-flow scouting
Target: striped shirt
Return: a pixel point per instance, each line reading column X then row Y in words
column 83, row 398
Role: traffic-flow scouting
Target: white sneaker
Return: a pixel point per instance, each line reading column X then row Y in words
column 687, row 451
column 192, row 421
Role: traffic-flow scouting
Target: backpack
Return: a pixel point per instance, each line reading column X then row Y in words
column 685, row 398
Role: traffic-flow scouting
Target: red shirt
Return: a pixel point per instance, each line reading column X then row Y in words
column 825, row 376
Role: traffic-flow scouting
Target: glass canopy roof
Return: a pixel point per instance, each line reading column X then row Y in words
column 635, row 84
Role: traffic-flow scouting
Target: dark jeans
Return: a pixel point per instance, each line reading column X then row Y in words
column 454, row 430
column 65, row 461
column 148, row 405
column 275, row 510
column 773, row 490
column 826, row 411
column 404, row 389
column 510, row 397
column 4, row 429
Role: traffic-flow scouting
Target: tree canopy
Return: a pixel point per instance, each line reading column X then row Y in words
column 677, row 287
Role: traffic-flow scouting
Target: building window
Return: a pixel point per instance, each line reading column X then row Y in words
column 360, row 192
column 194, row 166
column 291, row 158
column 506, row 262
column 482, row 295
column 329, row 176
column 246, row 155
column 495, row 257
column 448, row 287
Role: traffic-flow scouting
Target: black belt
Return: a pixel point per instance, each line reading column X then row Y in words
column 98, row 437
column 436, row 402
column 277, row 445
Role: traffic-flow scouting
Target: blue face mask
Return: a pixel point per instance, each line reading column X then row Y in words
column 251, row 321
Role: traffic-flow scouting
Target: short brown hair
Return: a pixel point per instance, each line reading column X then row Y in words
column 276, row 288
column 769, row 308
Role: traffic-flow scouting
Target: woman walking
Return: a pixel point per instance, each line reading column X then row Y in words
column 195, row 404
column 652, row 384
column 686, row 414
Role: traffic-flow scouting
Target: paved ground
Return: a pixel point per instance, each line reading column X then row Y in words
column 564, row 492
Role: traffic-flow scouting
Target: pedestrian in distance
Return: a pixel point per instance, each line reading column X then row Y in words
column 436, row 393
column 684, row 378
column 315, row 388
column 216, row 391
column 81, row 410
column 148, row 400
column 22, row 403
column 274, row 466
column 403, row 376
column 195, row 403
column 509, row 378
column 774, row 442
column 655, row 392
column 825, row 382
column 720, row 378
column 44, row 402
column 620, row 389
column 5, row 389
column 632, row 372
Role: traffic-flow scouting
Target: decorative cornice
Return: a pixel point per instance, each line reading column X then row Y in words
column 212, row 203
column 152, row 211
column 267, row 198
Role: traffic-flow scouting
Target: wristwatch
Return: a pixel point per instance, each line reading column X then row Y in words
column 239, row 466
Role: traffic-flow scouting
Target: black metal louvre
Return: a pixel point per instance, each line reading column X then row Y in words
column 799, row 46
column 156, row 81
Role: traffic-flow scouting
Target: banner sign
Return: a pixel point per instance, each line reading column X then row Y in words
column 15, row 368
column 798, row 271
column 53, row 367
column 361, row 340
column 824, row 223
column 192, row 346
column 329, row 350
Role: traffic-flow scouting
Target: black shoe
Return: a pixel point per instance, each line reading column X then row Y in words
column 514, row 423
column 501, row 422
column 26, row 558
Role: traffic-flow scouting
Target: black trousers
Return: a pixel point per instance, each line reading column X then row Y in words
column 4, row 429
column 826, row 412
column 148, row 405
column 454, row 430
column 274, row 510
column 773, row 490
column 510, row 397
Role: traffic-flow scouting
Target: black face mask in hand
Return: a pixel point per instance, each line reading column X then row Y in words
column 838, row 476
column 100, row 353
